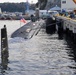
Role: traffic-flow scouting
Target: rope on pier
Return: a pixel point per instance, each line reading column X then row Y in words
column 46, row 25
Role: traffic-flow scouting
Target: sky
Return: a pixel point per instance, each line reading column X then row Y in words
column 18, row 1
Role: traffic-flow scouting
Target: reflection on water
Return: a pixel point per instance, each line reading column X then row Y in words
column 72, row 46
column 44, row 54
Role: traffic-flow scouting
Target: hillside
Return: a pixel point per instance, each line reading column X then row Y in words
column 47, row 4
column 15, row 7
column 21, row 7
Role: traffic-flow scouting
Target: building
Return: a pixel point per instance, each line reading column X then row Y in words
column 68, row 4
column 56, row 8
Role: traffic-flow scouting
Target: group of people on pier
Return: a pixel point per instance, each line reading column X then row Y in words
column 69, row 14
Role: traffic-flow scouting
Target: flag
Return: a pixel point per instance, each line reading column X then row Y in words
column 23, row 20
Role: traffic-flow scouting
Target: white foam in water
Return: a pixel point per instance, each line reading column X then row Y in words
column 16, row 40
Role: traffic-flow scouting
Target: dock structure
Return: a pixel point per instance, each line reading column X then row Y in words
column 66, row 25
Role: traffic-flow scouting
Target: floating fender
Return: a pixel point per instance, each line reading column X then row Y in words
column 50, row 24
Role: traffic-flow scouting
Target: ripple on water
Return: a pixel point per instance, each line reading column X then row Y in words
column 44, row 54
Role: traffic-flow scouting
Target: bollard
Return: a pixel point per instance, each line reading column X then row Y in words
column 4, row 48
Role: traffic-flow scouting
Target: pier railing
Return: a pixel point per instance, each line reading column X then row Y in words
column 69, row 26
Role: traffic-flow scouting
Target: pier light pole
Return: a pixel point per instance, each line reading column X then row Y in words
column 37, row 10
column 39, row 4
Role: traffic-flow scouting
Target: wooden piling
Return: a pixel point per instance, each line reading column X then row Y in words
column 4, row 48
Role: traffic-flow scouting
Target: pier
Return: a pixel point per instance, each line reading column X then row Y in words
column 67, row 26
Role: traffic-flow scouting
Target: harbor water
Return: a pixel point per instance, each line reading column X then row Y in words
column 43, row 54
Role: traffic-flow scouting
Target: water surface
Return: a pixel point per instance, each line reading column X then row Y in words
column 44, row 54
